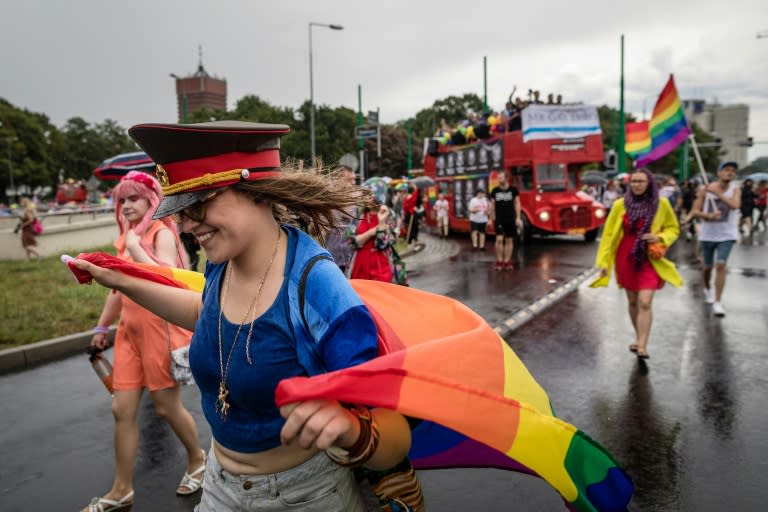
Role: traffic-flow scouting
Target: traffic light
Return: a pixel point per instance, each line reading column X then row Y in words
column 609, row 159
column 747, row 143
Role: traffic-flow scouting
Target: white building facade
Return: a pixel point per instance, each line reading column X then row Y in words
column 730, row 123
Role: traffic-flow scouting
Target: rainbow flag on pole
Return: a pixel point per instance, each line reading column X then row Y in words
column 668, row 127
column 637, row 139
column 442, row 363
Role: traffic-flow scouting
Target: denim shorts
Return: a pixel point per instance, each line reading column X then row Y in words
column 723, row 249
column 315, row 485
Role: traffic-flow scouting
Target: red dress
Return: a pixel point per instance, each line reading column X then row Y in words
column 626, row 275
column 370, row 262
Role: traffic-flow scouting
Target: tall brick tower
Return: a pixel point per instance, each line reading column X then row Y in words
column 199, row 90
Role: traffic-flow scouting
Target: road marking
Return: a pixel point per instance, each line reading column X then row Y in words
column 538, row 306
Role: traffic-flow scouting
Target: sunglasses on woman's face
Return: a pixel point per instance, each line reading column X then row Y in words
column 196, row 212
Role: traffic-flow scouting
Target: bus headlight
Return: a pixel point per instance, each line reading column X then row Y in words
column 544, row 216
column 599, row 213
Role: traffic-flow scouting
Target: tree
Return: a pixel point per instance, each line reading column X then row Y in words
column 394, row 152
column 453, row 109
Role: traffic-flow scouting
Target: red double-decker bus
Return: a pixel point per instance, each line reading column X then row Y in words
column 546, row 172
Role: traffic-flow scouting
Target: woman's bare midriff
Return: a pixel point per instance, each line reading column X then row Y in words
column 262, row 463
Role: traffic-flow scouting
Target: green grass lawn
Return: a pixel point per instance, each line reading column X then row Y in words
column 41, row 300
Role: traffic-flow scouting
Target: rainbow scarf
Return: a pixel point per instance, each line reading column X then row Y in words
column 668, row 127
column 444, row 364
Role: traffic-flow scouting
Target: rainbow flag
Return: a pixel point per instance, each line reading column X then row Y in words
column 442, row 363
column 668, row 127
column 637, row 138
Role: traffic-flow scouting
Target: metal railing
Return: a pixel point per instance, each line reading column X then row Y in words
column 61, row 216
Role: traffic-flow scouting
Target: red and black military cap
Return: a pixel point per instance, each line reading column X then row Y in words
column 192, row 159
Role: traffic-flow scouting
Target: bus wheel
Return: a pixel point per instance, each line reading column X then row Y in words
column 526, row 233
column 591, row 236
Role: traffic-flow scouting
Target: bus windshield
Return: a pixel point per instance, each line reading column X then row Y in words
column 551, row 177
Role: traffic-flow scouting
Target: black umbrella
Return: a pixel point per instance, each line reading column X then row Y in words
column 594, row 178
column 422, row 182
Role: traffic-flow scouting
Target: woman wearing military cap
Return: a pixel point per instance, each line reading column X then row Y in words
column 223, row 182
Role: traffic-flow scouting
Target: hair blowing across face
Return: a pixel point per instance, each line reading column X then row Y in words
column 310, row 199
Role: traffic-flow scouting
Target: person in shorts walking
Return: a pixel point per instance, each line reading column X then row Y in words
column 506, row 218
column 717, row 205
column 478, row 219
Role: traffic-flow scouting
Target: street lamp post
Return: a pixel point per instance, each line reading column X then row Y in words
column 183, row 99
column 311, row 89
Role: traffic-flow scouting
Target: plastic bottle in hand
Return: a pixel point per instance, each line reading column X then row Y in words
column 101, row 366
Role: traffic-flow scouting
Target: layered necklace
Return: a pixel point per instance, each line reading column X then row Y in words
column 222, row 406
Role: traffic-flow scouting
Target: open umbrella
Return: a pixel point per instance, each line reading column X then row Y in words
column 422, row 182
column 378, row 186
column 594, row 178
column 756, row 177
column 118, row 166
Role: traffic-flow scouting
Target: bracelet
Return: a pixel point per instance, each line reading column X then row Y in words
column 100, row 329
column 364, row 447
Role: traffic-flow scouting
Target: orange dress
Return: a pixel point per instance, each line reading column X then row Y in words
column 142, row 359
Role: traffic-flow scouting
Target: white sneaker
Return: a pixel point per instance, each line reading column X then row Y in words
column 709, row 295
column 718, row 309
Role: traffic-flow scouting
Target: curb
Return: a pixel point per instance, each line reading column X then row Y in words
column 26, row 356
column 527, row 313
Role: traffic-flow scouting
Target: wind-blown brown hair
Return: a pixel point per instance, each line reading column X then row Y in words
column 316, row 200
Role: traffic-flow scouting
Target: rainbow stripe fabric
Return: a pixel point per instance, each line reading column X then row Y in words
column 637, row 138
column 668, row 126
column 442, row 363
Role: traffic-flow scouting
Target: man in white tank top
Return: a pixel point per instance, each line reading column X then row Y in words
column 717, row 205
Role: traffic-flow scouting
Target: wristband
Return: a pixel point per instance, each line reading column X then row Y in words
column 100, row 329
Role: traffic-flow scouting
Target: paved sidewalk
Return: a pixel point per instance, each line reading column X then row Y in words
column 430, row 249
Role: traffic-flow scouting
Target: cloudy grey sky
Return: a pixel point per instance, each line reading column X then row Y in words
column 111, row 59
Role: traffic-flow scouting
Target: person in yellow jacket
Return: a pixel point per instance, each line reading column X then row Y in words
column 639, row 228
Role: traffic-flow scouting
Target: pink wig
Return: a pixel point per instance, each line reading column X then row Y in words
column 141, row 184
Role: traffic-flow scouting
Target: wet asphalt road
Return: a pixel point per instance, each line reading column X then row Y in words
column 688, row 426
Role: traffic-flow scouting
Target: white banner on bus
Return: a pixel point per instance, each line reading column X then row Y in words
column 559, row 122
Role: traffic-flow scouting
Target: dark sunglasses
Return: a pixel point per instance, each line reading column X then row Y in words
column 196, row 211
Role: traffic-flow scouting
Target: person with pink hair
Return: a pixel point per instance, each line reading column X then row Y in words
column 143, row 343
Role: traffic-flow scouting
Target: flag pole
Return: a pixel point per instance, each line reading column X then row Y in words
column 703, row 171
column 705, row 179
column 621, row 153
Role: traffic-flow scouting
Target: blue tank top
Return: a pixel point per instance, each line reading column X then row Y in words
column 253, row 423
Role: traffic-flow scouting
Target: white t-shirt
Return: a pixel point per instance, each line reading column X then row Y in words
column 609, row 196
column 480, row 205
column 441, row 208
column 727, row 226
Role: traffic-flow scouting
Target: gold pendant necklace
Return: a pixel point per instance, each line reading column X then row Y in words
column 221, row 406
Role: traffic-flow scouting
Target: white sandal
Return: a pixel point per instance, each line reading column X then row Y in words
column 190, row 481
column 106, row 505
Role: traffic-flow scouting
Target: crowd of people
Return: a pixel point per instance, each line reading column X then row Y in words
column 488, row 124
column 644, row 223
column 263, row 228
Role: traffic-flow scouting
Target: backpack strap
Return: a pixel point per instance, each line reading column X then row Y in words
column 303, row 285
